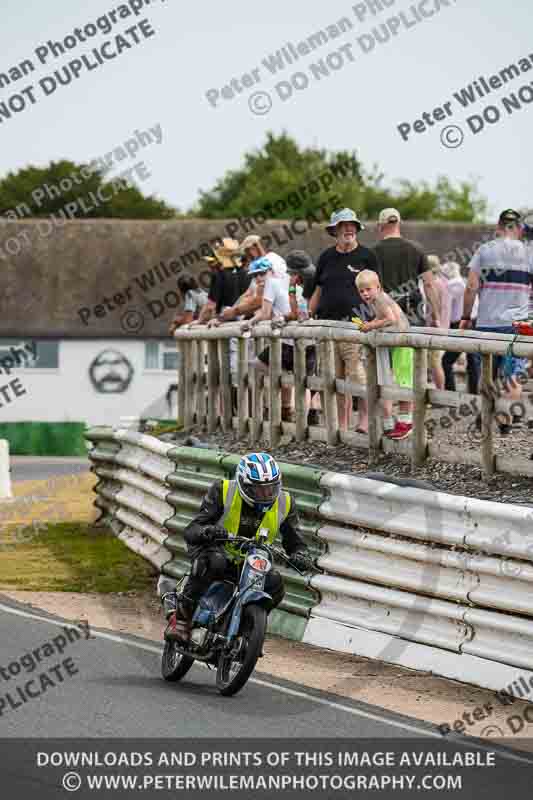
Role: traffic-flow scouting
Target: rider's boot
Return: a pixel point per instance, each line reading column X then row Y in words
column 169, row 602
column 180, row 619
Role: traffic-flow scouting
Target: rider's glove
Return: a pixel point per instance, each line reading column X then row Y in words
column 210, row 533
column 302, row 561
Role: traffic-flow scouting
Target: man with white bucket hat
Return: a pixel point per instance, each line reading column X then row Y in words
column 336, row 298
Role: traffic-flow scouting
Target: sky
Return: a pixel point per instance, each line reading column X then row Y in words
column 352, row 92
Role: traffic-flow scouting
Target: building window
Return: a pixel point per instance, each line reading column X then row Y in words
column 21, row 351
column 161, row 356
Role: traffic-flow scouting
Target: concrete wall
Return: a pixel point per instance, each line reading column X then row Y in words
column 48, row 275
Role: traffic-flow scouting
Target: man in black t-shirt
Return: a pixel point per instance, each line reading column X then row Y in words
column 336, row 298
column 401, row 263
column 228, row 286
column 228, row 282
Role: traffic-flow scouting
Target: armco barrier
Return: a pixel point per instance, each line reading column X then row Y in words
column 414, row 577
column 150, row 490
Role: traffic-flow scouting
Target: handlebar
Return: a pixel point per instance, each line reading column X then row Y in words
column 255, row 543
column 244, row 541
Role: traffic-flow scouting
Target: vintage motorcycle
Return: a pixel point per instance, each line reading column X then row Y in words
column 229, row 624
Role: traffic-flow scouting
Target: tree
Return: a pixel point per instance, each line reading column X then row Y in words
column 282, row 179
column 280, row 169
column 41, row 191
column 421, row 201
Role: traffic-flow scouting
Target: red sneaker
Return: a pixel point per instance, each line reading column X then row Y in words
column 401, row 431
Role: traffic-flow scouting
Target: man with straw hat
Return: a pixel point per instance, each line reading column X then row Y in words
column 228, row 282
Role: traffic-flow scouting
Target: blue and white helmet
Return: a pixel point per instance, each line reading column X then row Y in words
column 262, row 264
column 258, row 480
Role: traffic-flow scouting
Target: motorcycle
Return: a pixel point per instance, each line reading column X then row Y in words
column 229, row 624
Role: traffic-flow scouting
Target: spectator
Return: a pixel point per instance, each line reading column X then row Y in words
column 456, row 288
column 251, row 300
column 228, row 283
column 389, row 314
column 501, row 274
column 438, row 311
column 302, row 274
column 275, row 306
column 527, row 239
column 401, row 263
column 194, row 300
column 336, row 298
column 252, row 248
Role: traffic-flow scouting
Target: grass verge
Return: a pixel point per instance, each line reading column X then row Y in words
column 71, row 557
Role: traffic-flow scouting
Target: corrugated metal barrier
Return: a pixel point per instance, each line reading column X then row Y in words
column 410, row 576
column 149, row 491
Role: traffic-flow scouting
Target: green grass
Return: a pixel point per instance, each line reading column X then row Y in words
column 71, row 557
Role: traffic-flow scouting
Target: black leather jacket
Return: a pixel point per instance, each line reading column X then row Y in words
column 211, row 513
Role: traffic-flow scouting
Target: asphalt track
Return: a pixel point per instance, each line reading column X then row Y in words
column 115, row 692
column 118, row 691
column 33, row 468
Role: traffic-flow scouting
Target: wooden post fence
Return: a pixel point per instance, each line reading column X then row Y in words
column 207, row 398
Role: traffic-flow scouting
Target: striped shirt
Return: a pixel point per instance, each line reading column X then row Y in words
column 505, row 270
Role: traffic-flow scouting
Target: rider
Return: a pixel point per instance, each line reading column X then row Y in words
column 240, row 507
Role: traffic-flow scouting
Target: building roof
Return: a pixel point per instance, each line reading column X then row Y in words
column 117, row 278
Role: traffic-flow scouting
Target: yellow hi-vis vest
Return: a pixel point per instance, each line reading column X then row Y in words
column 231, row 519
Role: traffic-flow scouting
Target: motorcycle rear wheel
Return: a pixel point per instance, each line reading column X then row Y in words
column 233, row 673
column 174, row 665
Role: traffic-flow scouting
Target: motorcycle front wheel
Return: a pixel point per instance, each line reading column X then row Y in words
column 174, row 665
column 234, row 671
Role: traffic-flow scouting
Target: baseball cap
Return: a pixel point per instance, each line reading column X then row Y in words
column 510, row 216
column 345, row 215
column 389, row 215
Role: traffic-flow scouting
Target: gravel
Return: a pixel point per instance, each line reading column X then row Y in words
column 457, row 479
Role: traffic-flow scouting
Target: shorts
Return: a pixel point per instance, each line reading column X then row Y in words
column 395, row 366
column 349, row 362
column 501, row 366
column 435, row 358
column 403, row 366
column 384, row 367
column 287, row 358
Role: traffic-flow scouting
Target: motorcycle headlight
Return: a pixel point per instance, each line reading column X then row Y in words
column 259, row 563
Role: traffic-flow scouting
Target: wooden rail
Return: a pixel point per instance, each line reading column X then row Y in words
column 249, row 402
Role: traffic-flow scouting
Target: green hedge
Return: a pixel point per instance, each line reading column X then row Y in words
column 44, row 438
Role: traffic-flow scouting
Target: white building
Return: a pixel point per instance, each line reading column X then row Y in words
column 94, row 381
